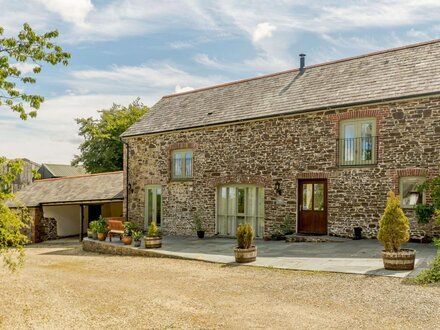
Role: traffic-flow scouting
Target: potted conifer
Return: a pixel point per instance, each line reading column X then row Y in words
column 245, row 251
column 393, row 232
column 153, row 239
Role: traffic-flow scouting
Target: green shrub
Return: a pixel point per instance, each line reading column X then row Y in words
column 245, row 236
column 198, row 222
column 93, row 225
column 424, row 212
column 129, row 227
column 431, row 275
column 101, row 225
column 137, row 235
column 393, row 226
column 152, row 230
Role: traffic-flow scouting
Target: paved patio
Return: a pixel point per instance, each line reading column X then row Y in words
column 344, row 256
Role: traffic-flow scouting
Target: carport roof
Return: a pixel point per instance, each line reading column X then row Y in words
column 75, row 189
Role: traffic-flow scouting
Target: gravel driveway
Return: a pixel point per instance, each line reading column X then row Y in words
column 61, row 287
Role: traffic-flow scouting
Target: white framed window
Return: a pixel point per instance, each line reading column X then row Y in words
column 237, row 204
column 409, row 196
column 182, row 164
column 357, row 141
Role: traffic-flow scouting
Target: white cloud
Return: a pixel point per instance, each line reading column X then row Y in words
column 179, row 89
column 263, row 30
column 70, row 11
column 24, row 67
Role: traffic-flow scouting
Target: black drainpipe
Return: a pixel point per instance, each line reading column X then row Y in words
column 126, row 178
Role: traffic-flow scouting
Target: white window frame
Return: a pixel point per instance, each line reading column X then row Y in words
column 357, row 157
column 183, row 153
column 401, row 182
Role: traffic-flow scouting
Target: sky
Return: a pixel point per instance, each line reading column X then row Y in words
column 125, row 49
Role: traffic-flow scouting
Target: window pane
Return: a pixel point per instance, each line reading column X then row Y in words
column 178, row 164
column 149, row 205
column 158, row 206
column 222, row 201
column 307, row 196
column 240, row 200
column 251, row 205
column 367, row 141
column 318, row 197
column 408, row 191
column 188, row 164
column 231, row 201
column 349, row 147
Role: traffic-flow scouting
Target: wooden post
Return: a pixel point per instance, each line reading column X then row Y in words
column 81, row 222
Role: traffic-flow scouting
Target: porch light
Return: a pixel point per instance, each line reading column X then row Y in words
column 278, row 187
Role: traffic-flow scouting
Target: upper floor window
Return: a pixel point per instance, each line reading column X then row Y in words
column 357, row 142
column 409, row 196
column 182, row 164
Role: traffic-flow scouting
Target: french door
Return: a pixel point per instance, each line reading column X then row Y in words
column 153, row 205
column 312, row 207
column 237, row 204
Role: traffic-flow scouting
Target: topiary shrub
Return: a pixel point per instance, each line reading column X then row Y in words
column 393, row 226
column 245, row 236
column 152, row 230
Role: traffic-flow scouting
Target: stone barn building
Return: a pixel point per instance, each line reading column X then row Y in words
column 323, row 144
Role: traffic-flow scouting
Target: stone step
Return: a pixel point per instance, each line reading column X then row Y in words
column 314, row 238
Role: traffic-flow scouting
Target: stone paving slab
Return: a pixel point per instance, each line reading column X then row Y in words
column 355, row 257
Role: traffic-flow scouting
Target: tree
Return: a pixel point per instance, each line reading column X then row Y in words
column 102, row 149
column 394, row 225
column 27, row 48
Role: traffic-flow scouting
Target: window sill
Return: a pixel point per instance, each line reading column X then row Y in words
column 356, row 165
column 181, row 179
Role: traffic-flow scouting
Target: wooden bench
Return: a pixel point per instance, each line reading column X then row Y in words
column 115, row 227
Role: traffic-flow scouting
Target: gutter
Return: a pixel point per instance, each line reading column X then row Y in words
column 126, row 177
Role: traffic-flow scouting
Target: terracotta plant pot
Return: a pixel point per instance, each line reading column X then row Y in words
column 137, row 243
column 153, row 242
column 200, row 233
column 102, row 236
column 127, row 240
column 245, row 255
column 402, row 260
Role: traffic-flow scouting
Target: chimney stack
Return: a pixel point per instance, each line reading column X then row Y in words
column 302, row 62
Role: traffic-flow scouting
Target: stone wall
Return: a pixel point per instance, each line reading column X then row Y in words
column 287, row 149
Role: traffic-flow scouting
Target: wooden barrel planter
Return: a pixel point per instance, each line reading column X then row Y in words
column 245, row 255
column 402, row 260
column 153, row 242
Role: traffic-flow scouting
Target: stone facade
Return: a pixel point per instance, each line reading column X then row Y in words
column 287, row 149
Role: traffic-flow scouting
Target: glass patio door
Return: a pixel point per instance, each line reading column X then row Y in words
column 153, row 205
column 240, row 204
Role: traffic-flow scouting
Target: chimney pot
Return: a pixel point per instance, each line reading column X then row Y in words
column 302, row 62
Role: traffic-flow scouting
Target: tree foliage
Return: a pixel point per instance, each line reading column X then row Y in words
column 12, row 222
column 394, row 225
column 27, row 47
column 102, row 149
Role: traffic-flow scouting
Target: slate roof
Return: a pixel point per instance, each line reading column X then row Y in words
column 60, row 170
column 91, row 187
column 387, row 75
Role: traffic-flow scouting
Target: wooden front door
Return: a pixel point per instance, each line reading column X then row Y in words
column 312, row 207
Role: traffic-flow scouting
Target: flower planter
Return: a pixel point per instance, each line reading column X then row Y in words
column 89, row 233
column 127, row 240
column 245, row 255
column 153, row 242
column 402, row 260
column 95, row 236
column 102, row 236
column 200, row 233
column 137, row 243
